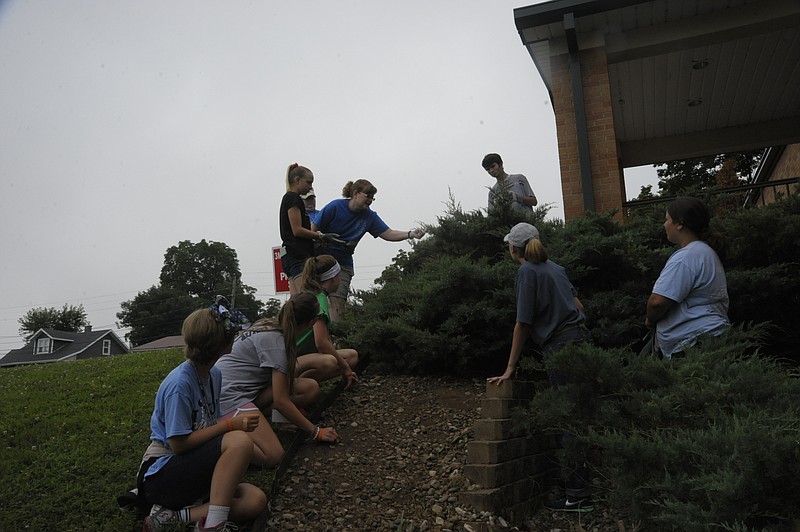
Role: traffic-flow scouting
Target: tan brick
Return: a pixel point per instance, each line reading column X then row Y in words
column 510, row 390
column 493, row 452
column 494, row 475
column 494, row 408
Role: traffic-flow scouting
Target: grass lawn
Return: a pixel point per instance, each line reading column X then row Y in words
column 72, row 435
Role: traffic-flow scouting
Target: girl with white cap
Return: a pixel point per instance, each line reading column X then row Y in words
column 549, row 312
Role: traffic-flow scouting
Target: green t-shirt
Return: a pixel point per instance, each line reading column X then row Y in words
column 306, row 344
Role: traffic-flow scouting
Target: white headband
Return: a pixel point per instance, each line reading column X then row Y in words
column 330, row 274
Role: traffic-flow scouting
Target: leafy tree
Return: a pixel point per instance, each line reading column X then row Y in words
column 157, row 312
column 272, row 307
column 678, row 177
column 191, row 276
column 70, row 318
column 200, row 269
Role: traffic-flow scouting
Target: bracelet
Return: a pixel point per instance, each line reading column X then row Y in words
column 317, row 436
column 408, row 237
column 229, row 422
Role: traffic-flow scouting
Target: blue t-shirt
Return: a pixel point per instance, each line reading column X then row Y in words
column 695, row 279
column 545, row 299
column 336, row 217
column 184, row 403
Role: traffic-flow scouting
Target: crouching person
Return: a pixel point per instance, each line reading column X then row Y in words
column 193, row 455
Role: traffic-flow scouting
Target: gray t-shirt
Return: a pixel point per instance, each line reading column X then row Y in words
column 247, row 369
column 545, row 299
column 516, row 183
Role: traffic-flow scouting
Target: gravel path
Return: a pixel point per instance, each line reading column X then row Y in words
column 399, row 466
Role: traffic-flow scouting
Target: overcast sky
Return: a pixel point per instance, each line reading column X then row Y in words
column 129, row 126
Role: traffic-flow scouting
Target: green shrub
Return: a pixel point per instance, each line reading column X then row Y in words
column 692, row 444
column 448, row 306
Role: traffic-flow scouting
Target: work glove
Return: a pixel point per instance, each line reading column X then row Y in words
column 331, row 238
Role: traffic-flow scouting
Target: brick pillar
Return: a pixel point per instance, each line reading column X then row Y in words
column 508, row 470
column 607, row 176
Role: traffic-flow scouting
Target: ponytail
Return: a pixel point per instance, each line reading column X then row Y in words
column 535, row 251
column 294, row 171
column 313, row 269
column 299, row 310
column 360, row 185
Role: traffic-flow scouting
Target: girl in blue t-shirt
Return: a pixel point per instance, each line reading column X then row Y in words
column 193, row 455
column 690, row 297
column 350, row 218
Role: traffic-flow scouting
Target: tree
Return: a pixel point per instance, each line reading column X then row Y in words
column 191, row 276
column 200, row 269
column 272, row 307
column 156, row 312
column 70, row 318
column 677, row 177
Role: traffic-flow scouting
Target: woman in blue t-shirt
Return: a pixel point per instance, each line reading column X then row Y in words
column 690, row 297
column 350, row 218
column 193, row 454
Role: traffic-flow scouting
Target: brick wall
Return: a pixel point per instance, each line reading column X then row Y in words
column 788, row 166
column 607, row 177
column 509, row 471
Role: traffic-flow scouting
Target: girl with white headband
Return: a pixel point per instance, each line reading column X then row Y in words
column 317, row 357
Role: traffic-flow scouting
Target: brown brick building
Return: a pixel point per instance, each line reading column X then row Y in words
column 641, row 82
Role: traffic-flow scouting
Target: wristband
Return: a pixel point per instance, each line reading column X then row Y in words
column 229, row 422
column 408, row 236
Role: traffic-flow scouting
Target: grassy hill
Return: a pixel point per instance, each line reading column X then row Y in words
column 72, row 435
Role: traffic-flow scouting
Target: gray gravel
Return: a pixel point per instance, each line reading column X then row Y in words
column 399, row 465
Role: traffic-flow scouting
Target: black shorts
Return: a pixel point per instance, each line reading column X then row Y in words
column 185, row 478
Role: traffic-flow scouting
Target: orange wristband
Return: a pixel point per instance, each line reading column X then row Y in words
column 229, row 422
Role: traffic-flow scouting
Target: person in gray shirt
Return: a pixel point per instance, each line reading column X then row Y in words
column 516, row 185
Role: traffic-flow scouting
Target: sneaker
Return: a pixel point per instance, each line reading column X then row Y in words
column 570, row 505
column 161, row 519
column 225, row 526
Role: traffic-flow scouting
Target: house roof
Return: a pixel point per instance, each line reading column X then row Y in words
column 688, row 77
column 167, row 342
column 74, row 343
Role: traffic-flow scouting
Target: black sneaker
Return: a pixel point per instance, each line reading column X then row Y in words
column 566, row 504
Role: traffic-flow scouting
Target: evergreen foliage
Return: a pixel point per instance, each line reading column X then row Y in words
column 708, row 441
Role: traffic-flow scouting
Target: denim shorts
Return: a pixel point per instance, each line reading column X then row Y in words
column 185, row 478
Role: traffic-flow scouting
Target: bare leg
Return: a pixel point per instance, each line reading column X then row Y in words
column 336, row 308
column 226, row 490
column 322, row 367
column 304, row 392
column 268, row 450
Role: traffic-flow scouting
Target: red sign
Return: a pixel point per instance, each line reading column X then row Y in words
column 281, row 279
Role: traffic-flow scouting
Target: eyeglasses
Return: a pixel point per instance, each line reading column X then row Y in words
column 370, row 198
